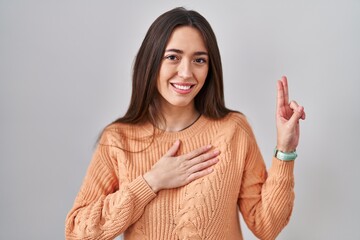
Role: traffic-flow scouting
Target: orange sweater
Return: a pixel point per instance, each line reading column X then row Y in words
column 114, row 197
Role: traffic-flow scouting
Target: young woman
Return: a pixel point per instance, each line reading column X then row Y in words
column 179, row 164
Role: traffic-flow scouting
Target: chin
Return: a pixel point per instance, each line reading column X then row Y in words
column 181, row 105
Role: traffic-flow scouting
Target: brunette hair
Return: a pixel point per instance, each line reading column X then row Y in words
column 144, row 103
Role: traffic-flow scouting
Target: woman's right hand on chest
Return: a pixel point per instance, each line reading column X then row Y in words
column 173, row 171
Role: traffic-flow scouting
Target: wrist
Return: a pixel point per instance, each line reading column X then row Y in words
column 285, row 156
column 285, row 148
column 151, row 181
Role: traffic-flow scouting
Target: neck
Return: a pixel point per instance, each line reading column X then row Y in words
column 179, row 119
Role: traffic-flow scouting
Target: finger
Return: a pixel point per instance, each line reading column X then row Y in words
column 203, row 165
column 280, row 99
column 286, row 88
column 173, row 150
column 203, row 157
column 199, row 174
column 197, row 152
column 304, row 115
column 297, row 115
column 294, row 106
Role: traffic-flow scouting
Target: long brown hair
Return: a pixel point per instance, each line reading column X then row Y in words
column 144, row 103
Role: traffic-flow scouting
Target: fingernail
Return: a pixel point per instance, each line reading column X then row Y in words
column 216, row 152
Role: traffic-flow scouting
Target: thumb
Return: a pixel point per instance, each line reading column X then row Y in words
column 297, row 114
column 173, row 150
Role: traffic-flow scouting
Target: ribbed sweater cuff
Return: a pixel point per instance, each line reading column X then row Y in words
column 283, row 168
column 144, row 194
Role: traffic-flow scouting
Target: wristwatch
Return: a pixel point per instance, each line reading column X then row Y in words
column 285, row 156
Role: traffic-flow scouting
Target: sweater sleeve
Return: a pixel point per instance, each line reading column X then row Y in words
column 105, row 208
column 266, row 199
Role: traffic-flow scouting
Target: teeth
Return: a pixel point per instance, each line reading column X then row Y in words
column 182, row 87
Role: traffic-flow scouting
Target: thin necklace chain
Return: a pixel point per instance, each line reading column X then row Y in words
column 191, row 123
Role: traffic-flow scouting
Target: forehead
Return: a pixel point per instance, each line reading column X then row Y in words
column 186, row 38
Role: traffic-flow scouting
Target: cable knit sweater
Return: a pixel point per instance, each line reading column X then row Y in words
column 115, row 198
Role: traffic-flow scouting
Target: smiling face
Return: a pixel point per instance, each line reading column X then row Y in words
column 183, row 69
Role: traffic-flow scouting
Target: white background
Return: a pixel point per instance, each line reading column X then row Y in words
column 65, row 72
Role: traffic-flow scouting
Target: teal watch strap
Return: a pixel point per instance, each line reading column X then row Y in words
column 285, row 156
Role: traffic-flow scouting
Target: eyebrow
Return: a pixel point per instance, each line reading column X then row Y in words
column 181, row 52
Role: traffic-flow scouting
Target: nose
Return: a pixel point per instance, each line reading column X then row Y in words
column 185, row 70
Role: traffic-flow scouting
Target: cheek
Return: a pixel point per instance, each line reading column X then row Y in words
column 161, row 77
column 202, row 75
column 165, row 73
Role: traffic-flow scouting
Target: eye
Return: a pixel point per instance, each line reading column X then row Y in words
column 200, row 60
column 172, row 57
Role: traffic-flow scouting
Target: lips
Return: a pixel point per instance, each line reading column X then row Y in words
column 182, row 88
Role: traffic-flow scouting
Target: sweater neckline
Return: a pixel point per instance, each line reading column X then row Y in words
column 190, row 131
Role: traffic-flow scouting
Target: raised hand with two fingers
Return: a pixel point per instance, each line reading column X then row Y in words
column 288, row 114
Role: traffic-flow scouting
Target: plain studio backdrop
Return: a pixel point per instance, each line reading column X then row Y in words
column 65, row 73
